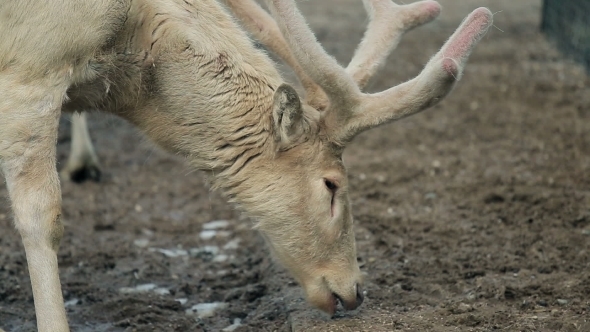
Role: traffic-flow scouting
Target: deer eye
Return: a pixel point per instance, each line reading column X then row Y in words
column 331, row 185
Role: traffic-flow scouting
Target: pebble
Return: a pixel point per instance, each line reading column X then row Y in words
column 181, row 301
column 205, row 310
column 562, row 301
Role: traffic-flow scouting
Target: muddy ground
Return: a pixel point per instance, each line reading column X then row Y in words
column 473, row 216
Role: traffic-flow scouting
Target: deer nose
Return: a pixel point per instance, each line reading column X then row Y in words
column 351, row 305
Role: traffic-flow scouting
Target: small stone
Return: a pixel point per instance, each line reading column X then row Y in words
column 362, row 176
column 462, row 308
column 138, row 208
column 586, row 231
column 182, row 301
column 436, row 164
column 562, row 301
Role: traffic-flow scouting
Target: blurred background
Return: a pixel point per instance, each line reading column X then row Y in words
column 471, row 216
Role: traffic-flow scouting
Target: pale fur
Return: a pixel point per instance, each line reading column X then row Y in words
column 188, row 76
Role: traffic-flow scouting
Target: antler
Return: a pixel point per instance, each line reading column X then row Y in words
column 388, row 22
column 265, row 29
column 434, row 82
column 352, row 111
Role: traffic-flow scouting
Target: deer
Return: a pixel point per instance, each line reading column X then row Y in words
column 192, row 79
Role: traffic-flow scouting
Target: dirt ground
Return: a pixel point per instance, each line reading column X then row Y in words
column 473, row 216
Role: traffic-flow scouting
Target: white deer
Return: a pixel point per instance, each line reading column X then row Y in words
column 187, row 75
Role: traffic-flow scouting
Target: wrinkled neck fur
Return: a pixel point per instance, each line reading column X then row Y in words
column 209, row 89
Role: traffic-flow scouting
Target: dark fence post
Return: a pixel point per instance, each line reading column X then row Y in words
column 567, row 23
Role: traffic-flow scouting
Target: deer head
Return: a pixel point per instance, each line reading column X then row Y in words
column 299, row 193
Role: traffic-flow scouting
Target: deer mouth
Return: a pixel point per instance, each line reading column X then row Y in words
column 333, row 304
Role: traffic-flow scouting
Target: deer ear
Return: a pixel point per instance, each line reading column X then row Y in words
column 287, row 115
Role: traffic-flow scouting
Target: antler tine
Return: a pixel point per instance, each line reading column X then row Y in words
column 322, row 68
column 434, row 82
column 265, row 29
column 388, row 22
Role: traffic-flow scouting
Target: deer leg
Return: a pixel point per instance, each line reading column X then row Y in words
column 29, row 118
column 82, row 164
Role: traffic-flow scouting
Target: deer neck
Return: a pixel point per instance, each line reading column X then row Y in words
column 204, row 90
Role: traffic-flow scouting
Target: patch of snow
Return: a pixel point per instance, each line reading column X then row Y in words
column 142, row 243
column 205, row 251
column 170, row 252
column 144, row 288
column 220, row 258
column 205, row 310
column 138, row 289
column 147, row 232
column 162, row 291
column 71, row 302
column 207, row 235
column 216, row 224
column 232, row 245
column 232, row 327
